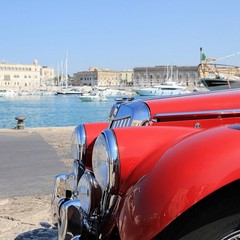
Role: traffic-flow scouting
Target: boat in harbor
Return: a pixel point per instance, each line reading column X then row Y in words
column 112, row 92
column 7, row 93
column 71, row 91
column 93, row 97
column 166, row 89
column 216, row 76
column 169, row 87
column 220, row 83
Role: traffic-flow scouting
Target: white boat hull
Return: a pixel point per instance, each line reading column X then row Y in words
column 154, row 92
column 94, row 98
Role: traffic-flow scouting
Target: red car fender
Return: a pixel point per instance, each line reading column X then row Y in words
column 141, row 147
column 185, row 174
column 215, row 100
column 92, row 130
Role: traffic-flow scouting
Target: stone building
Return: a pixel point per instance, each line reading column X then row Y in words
column 150, row 76
column 125, row 77
column 25, row 76
column 46, row 76
column 103, row 78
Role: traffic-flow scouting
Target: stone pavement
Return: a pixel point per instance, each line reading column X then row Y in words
column 27, row 164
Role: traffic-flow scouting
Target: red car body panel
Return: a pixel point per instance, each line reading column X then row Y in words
column 92, row 132
column 186, row 173
column 201, row 119
column 196, row 102
column 149, row 144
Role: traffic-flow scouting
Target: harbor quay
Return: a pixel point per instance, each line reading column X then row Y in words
column 29, row 160
column 31, row 157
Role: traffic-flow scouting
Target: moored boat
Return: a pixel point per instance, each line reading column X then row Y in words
column 216, row 76
column 71, row 91
column 213, row 84
column 166, row 89
column 7, row 93
column 92, row 97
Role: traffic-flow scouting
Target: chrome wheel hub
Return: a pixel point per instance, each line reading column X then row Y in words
column 233, row 236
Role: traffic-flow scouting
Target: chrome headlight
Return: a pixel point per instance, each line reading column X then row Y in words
column 105, row 161
column 75, row 175
column 78, row 145
column 89, row 192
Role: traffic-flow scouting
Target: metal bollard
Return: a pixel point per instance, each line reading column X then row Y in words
column 20, row 122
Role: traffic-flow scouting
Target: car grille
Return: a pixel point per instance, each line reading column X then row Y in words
column 121, row 122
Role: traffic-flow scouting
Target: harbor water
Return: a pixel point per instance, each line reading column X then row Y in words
column 52, row 111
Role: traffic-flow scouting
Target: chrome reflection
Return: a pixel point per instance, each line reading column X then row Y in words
column 114, row 165
column 59, row 192
column 78, row 145
column 70, row 220
column 232, row 236
column 128, row 114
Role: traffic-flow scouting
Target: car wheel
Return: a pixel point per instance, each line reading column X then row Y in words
column 215, row 218
column 223, row 229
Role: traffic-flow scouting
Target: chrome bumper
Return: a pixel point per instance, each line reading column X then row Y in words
column 70, row 220
column 65, row 186
column 59, row 192
column 65, row 211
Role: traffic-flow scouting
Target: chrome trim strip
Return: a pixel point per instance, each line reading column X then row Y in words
column 78, row 237
column 232, row 236
column 114, row 161
column 165, row 117
column 82, row 142
column 81, row 133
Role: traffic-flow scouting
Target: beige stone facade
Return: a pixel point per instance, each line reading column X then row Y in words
column 103, row 77
column 25, row 76
column 150, row 76
column 125, row 77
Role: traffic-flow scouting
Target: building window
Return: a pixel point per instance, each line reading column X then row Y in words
column 6, row 78
column 193, row 75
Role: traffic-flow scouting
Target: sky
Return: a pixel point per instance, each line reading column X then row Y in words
column 118, row 34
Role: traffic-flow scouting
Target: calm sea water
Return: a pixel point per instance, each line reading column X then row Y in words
column 52, row 111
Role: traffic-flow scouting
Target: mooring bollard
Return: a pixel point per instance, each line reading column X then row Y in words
column 20, row 122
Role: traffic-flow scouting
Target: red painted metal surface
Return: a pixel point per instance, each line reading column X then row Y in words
column 196, row 102
column 189, row 151
column 186, row 173
column 141, row 147
column 199, row 119
column 93, row 130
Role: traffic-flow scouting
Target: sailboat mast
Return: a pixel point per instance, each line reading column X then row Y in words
column 66, row 69
column 171, row 73
column 62, row 74
column 58, row 76
column 167, row 73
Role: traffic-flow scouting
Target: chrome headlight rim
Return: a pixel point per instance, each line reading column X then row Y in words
column 93, row 190
column 113, row 164
column 75, row 175
column 78, row 143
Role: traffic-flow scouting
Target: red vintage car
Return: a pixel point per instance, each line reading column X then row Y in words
column 166, row 169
